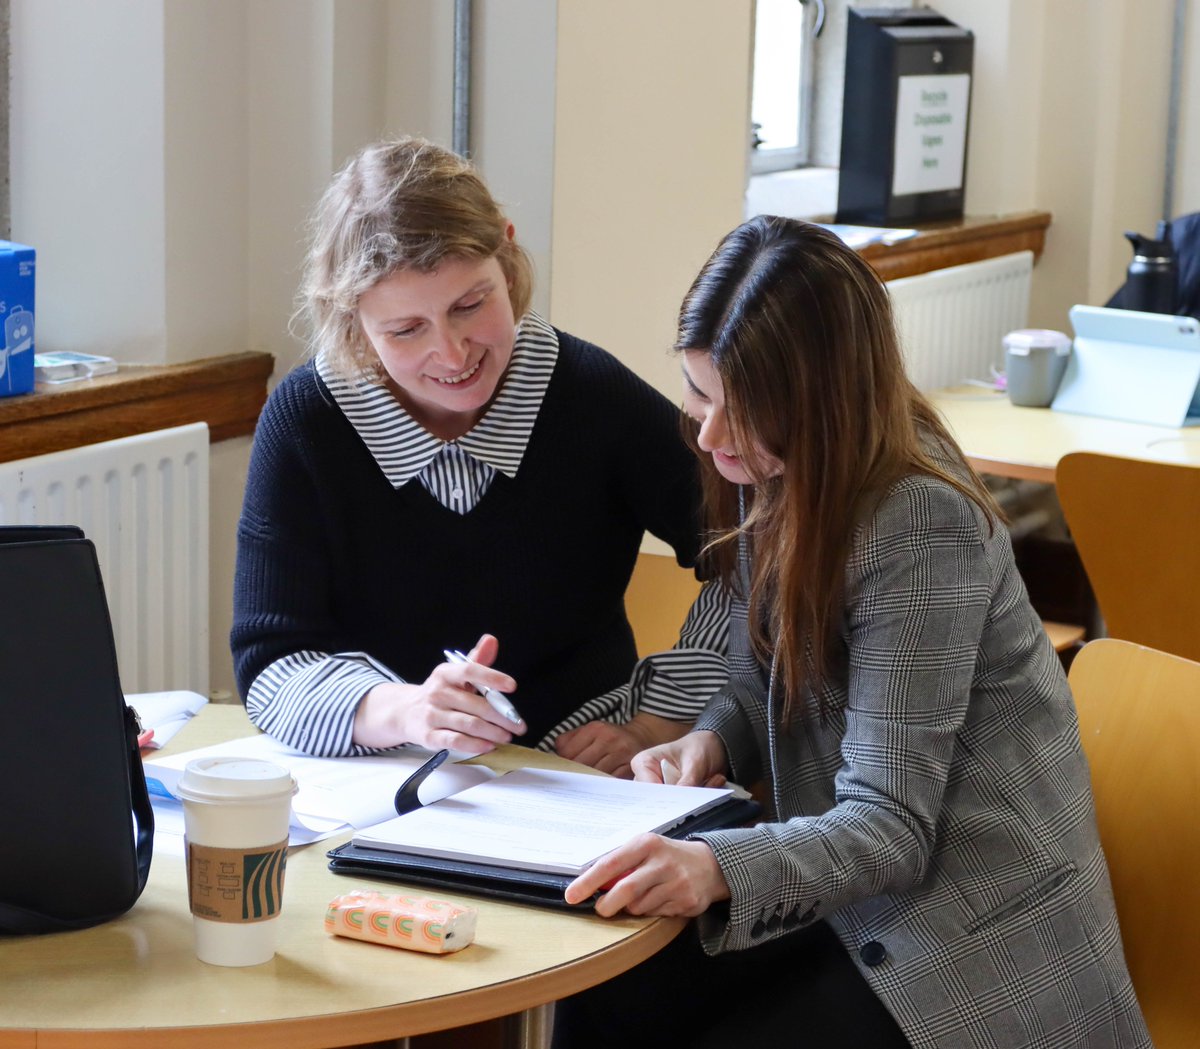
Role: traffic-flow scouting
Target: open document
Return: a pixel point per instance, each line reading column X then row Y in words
column 541, row 820
column 335, row 794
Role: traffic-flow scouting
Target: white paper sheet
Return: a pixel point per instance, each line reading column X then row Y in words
column 165, row 712
column 335, row 794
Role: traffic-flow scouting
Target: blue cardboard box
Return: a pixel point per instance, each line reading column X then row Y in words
column 17, row 264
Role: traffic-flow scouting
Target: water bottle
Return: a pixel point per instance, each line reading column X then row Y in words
column 1151, row 282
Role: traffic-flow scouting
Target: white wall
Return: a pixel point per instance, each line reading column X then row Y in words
column 652, row 112
column 87, row 165
column 1069, row 116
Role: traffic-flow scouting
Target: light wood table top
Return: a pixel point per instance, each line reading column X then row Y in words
column 1027, row 443
column 136, row 981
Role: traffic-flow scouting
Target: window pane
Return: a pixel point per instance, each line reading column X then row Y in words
column 775, row 104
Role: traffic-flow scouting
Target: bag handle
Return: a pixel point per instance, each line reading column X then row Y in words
column 15, row 919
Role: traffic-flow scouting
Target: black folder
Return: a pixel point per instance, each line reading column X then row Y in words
column 506, row 883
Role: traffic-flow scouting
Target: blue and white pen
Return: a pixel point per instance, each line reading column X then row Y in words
column 498, row 700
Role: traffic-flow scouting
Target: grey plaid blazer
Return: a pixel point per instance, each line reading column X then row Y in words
column 942, row 821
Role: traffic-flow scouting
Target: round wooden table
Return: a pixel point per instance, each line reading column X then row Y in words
column 136, row 981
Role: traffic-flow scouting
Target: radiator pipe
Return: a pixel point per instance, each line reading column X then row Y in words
column 460, row 136
column 1173, row 109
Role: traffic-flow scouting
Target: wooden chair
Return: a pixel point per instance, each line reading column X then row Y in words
column 657, row 601
column 1136, row 525
column 1063, row 636
column 1139, row 719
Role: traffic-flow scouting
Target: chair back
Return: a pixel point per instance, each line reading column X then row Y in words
column 657, row 601
column 1136, row 526
column 1139, row 720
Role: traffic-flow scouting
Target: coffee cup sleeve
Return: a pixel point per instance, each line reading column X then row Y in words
column 415, row 923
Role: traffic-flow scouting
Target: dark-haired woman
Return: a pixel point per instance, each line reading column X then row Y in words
column 929, row 872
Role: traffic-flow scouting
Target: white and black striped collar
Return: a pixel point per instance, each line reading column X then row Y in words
column 403, row 448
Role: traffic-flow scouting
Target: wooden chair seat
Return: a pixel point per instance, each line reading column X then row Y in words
column 1139, row 721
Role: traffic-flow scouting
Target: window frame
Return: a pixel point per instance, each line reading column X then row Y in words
column 785, row 158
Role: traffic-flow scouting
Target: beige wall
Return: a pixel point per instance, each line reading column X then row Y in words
column 165, row 155
column 650, row 165
column 1069, row 115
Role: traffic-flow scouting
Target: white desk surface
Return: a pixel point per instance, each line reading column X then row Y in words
column 1027, row 443
column 136, row 981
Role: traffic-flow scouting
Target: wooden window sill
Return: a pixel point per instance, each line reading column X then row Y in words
column 227, row 393
column 972, row 239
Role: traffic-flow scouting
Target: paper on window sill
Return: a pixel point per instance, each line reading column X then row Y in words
column 861, row 236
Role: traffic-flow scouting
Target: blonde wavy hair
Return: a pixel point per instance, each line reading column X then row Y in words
column 398, row 204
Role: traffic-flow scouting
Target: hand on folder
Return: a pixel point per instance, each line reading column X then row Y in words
column 447, row 710
column 653, row 874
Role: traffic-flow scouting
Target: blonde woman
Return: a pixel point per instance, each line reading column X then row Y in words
column 449, row 471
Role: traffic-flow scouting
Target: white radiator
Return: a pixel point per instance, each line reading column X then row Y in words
column 143, row 501
column 951, row 321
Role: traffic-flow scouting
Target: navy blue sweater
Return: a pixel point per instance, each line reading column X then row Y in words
column 332, row 559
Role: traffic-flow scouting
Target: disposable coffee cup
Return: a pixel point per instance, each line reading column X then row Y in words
column 1034, row 362
column 236, row 813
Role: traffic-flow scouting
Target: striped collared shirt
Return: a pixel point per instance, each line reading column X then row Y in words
column 308, row 699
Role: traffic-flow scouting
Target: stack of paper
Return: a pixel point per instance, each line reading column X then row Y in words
column 165, row 713
column 335, row 795
column 68, row 365
column 861, row 236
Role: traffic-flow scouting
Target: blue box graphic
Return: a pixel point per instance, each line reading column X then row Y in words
column 17, row 265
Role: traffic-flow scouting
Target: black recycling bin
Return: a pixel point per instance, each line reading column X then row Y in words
column 905, row 116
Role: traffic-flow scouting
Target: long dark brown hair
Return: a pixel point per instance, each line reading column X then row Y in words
column 800, row 331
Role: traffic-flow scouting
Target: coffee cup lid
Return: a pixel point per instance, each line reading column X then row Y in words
column 1023, row 341
column 232, row 779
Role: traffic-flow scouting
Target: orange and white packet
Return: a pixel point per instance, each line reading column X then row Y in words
column 416, row 923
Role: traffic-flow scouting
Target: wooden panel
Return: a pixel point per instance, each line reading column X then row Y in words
column 956, row 243
column 226, row 392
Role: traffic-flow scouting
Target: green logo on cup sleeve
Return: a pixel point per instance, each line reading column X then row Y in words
column 236, row 885
column 262, row 879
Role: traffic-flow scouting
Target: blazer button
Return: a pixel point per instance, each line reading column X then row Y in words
column 872, row 953
column 757, row 929
column 808, row 916
column 774, row 922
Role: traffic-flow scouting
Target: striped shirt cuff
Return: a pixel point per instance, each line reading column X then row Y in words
column 675, row 684
column 307, row 700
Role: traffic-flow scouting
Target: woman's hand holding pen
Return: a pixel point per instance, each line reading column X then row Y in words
column 695, row 760
column 446, row 710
